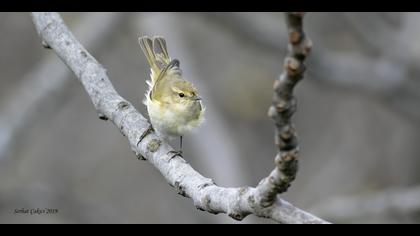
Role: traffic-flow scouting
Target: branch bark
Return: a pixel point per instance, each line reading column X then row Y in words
column 281, row 111
column 206, row 195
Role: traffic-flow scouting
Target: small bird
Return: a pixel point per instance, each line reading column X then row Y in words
column 173, row 103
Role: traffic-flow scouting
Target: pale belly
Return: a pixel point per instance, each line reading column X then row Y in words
column 172, row 121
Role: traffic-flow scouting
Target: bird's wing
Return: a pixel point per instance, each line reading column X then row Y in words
column 170, row 71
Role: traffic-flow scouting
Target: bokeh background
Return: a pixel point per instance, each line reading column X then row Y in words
column 358, row 117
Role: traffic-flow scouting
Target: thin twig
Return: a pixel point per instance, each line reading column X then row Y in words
column 284, row 105
column 206, row 195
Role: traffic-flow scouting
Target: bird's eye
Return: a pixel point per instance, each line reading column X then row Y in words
column 181, row 95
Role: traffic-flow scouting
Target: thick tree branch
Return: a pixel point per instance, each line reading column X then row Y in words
column 206, row 195
column 284, row 105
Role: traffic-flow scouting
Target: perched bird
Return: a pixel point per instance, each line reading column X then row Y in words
column 173, row 103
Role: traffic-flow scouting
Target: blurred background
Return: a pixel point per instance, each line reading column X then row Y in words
column 358, row 117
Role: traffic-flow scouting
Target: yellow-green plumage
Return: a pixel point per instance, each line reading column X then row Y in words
column 173, row 103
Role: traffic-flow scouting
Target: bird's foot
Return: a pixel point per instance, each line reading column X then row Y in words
column 174, row 153
column 145, row 133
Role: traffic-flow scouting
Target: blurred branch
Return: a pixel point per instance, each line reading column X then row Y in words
column 281, row 111
column 375, row 33
column 341, row 68
column 392, row 202
column 33, row 96
column 261, row 29
column 392, row 78
column 207, row 196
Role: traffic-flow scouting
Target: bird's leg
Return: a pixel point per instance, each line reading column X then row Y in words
column 177, row 153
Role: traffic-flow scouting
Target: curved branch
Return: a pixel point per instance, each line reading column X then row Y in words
column 281, row 111
column 206, row 195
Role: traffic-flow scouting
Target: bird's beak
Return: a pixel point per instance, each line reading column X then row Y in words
column 198, row 98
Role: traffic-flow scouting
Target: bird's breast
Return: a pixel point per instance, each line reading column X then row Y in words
column 175, row 119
